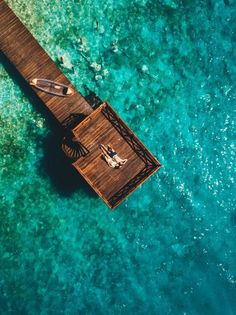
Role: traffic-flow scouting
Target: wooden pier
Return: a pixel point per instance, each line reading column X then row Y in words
column 99, row 126
column 31, row 61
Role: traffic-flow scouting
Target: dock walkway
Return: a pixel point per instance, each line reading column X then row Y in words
column 100, row 126
column 31, row 61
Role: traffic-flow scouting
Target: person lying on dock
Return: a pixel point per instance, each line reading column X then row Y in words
column 107, row 158
column 113, row 155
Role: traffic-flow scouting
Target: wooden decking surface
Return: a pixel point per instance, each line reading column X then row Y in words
column 31, row 60
column 104, row 126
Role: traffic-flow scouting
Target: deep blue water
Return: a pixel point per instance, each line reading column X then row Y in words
column 168, row 67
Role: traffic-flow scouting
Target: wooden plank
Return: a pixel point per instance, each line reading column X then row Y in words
column 31, row 61
column 102, row 126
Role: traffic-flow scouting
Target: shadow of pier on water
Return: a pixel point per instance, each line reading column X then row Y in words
column 55, row 163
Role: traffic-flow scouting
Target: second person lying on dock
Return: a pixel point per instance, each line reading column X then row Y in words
column 111, row 157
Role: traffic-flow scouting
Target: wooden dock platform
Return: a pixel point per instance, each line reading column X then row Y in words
column 104, row 126
column 100, row 126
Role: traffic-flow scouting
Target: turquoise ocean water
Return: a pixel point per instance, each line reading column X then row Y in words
column 168, row 67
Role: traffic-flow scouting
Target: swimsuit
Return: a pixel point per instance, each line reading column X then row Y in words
column 112, row 154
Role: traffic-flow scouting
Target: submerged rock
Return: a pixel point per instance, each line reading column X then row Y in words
column 65, row 61
column 114, row 45
column 83, row 44
column 98, row 77
column 144, row 68
column 105, row 72
column 96, row 66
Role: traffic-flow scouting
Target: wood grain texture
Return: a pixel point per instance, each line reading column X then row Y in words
column 101, row 126
column 104, row 126
column 31, row 61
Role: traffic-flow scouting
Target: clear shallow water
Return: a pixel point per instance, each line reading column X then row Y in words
column 168, row 67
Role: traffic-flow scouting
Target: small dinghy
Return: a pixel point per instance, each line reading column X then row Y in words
column 52, row 87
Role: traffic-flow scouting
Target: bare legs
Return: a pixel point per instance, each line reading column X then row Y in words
column 110, row 153
column 107, row 157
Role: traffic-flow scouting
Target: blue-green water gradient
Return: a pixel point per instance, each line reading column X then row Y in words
column 168, row 67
